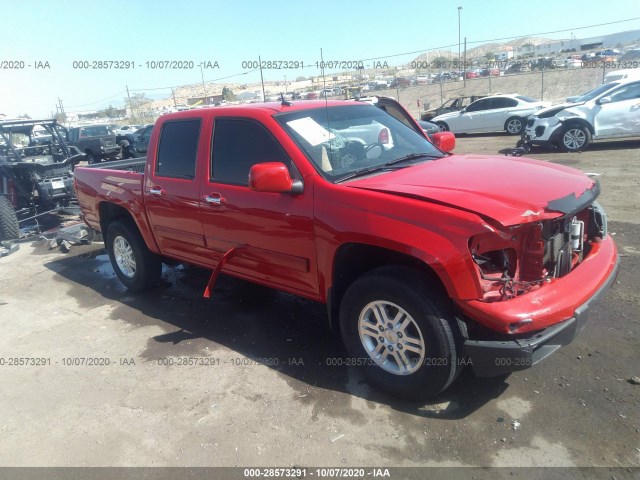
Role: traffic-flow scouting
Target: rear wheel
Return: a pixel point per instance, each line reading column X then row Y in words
column 442, row 126
column 402, row 331
column 9, row 229
column 574, row 138
column 135, row 265
column 514, row 125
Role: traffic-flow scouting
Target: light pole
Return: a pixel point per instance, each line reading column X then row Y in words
column 572, row 36
column 459, row 66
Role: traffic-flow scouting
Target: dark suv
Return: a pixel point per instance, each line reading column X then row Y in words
column 98, row 142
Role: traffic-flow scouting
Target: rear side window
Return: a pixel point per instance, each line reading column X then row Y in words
column 178, row 148
column 479, row 105
column 237, row 146
column 502, row 102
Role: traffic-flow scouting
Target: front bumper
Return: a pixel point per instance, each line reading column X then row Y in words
column 491, row 358
column 542, row 130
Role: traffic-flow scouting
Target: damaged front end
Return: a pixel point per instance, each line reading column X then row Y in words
column 522, row 258
column 537, row 280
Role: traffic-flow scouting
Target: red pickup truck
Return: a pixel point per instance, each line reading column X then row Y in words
column 427, row 261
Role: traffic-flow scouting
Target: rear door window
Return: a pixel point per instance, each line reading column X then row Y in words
column 178, row 149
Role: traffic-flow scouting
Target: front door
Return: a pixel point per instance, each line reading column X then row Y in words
column 620, row 117
column 269, row 236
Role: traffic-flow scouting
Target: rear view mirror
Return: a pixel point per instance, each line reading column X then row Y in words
column 445, row 141
column 273, row 177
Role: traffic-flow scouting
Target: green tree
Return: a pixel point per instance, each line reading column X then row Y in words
column 440, row 62
column 489, row 56
column 136, row 105
column 228, row 94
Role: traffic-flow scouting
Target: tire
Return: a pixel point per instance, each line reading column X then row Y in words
column 514, row 126
column 135, row 265
column 443, row 126
column 389, row 292
column 9, row 229
column 574, row 138
column 91, row 158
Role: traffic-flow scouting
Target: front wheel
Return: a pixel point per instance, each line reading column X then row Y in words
column 393, row 323
column 442, row 126
column 134, row 264
column 574, row 138
column 514, row 126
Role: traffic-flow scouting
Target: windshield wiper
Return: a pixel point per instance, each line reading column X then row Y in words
column 412, row 156
column 390, row 165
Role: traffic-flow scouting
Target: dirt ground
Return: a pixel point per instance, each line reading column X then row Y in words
column 166, row 378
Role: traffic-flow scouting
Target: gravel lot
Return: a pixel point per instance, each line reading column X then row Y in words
column 263, row 392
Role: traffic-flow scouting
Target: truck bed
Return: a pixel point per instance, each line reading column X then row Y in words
column 129, row 165
column 117, row 183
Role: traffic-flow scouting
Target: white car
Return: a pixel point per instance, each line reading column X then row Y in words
column 127, row 129
column 495, row 113
column 611, row 110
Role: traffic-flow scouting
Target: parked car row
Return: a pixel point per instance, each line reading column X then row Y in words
column 491, row 114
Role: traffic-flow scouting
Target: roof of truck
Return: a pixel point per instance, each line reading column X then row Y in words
column 269, row 107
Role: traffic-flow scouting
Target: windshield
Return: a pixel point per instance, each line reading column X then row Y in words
column 341, row 140
column 595, row 92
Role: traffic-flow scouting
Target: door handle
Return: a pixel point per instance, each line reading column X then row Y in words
column 156, row 191
column 214, row 199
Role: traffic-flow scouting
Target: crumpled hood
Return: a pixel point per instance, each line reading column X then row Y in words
column 558, row 108
column 508, row 190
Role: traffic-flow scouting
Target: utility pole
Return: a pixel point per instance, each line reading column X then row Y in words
column 264, row 95
column 204, row 90
column 459, row 66
column 173, row 94
column 129, row 97
column 465, row 61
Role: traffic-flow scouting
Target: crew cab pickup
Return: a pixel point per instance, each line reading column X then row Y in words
column 427, row 261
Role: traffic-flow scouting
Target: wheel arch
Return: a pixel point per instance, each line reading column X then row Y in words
column 578, row 121
column 109, row 212
column 352, row 260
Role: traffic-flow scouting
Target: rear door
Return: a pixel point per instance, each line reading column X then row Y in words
column 269, row 236
column 621, row 116
column 499, row 112
column 171, row 190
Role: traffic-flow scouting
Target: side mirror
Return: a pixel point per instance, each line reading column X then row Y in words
column 604, row 100
column 445, row 141
column 273, row 177
column 464, row 110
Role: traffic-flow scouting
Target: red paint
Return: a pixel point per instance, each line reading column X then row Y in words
column 429, row 211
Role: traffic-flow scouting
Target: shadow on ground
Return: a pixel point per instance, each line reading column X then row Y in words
column 284, row 332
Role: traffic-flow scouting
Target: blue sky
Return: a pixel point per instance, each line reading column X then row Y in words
column 232, row 32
